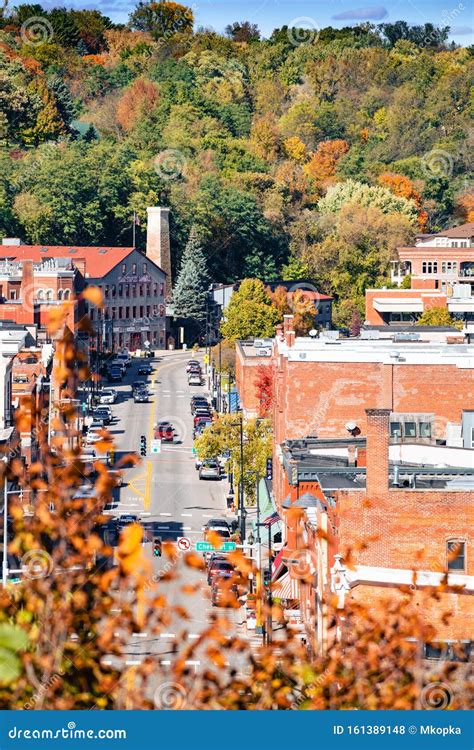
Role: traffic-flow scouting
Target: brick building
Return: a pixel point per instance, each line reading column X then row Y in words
column 440, row 268
column 348, row 499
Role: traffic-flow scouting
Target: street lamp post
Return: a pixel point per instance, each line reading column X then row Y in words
column 260, row 627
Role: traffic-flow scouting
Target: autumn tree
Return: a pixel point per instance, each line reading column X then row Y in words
column 263, row 385
column 405, row 188
column 322, row 166
column 299, row 303
column 139, row 99
column 243, row 31
column 161, row 19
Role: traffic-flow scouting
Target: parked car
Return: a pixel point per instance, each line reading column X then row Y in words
column 94, row 436
column 145, row 369
column 126, row 520
column 115, row 373
column 140, row 395
column 202, row 413
column 217, row 565
column 198, row 401
column 194, row 379
column 210, row 469
column 200, row 427
column 192, row 363
column 108, row 396
column 101, row 414
column 164, row 431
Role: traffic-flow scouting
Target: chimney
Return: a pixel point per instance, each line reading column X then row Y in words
column 288, row 330
column 27, row 291
column 158, row 239
column 378, row 440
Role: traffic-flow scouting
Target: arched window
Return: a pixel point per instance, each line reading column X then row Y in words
column 66, row 294
column 456, row 555
column 40, row 294
column 60, row 294
column 145, row 268
column 49, row 295
column 134, row 269
column 124, row 269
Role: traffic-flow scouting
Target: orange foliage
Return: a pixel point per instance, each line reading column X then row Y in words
column 138, row 99
column 465, row 207
column 404, row 188
column 322, row 166
column 95, row 59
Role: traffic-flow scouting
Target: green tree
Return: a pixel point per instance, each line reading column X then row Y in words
column 250, row 313
column 358, row 193
column 224, row 435
column 439, row 316
column 192, row 284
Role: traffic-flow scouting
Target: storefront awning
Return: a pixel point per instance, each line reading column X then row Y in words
column 286, row 588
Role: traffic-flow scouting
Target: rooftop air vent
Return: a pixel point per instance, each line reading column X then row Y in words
column 102, row 251
column 44, row 249
column 72, row 250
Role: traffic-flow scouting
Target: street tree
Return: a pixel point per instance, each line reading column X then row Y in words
column 250, row 313
column 192, row 284
column 224, row 435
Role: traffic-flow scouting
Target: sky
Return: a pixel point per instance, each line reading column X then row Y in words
column 271, row 14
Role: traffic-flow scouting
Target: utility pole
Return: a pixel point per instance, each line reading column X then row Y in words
column 241, row 482
column 259, row 626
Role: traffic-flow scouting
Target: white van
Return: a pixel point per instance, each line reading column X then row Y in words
column 124, row 359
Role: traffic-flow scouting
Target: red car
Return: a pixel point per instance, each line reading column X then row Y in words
column 164, row 431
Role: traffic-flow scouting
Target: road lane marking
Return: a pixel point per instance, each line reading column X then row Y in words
column 167, row 635
column 133, row 663
column 166, row 514
column 187, row 528
column 186, row 515
column 139, row 635
column 193, row 636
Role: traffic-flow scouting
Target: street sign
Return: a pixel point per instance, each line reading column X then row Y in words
column 184, row 543
column 155, row 446
column 206, row 359
column 208, row 547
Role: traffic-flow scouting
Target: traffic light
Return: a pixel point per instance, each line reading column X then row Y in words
column 269, row 469
column 267, row 577
column 157, row 547
column 143, row 445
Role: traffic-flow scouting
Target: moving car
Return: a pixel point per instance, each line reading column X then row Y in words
column 210, row 469
column 125, row 358
column 164, row 431
column 194, row 379
column 224, row 591
column 119, row 363
column 192, row 363
column 138, row 385
column 115, row 373
column 215, row 524
column 126, row 520
column 108, row 396
column 102, row 414
column 145, row 369
column 140, row 395
column 217, row 565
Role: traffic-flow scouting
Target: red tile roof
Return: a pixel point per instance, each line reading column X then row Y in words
column 98, row 260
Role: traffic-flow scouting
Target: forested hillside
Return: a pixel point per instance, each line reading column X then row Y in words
column 307, row 154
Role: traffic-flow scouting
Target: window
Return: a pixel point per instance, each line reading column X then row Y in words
column 13, row 294
column 134, row 312
column 49, row 295
column 148, row 310
column 124, row 269
column 148, row 289
column 162, row 288
column 395, row 429
column 92, row 314
column 113, row 313
column 127, row 290
column 155, row 289
column 141, row 290
column 134, row 269
column 443, row 267
column 134, row 290
column 141, row 311
column 120, row 290
column 410, row 429
column 114, row 290
column 429, row 266
column 425, row 429
column 472, row 437
column 127, row 312
column 60, row 294
column 456, row 554
column 145, row 268
column 120, row 312
column 106, row 291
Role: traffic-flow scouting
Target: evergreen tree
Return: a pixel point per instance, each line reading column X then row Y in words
column 190, row 291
